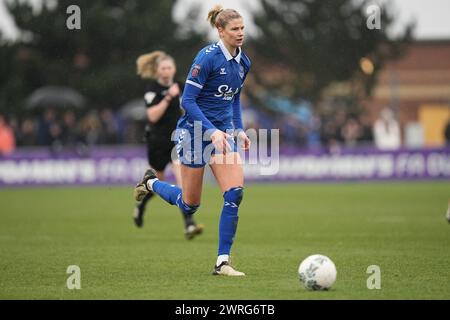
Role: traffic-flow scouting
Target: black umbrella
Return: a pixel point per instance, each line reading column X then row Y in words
column 55, row 96
column 134, row 110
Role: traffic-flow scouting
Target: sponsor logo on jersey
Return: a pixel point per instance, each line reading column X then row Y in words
column 225, row 92
column 222, row 71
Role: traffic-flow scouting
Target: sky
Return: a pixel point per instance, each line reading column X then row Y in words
column 432, row 16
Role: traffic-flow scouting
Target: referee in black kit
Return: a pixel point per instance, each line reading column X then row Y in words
column 162, row 98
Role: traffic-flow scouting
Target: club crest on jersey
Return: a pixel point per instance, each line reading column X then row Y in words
column 241, row 71
column 225, row 92
column 195, row 70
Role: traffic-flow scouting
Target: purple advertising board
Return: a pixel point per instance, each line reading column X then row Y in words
column 124, row 165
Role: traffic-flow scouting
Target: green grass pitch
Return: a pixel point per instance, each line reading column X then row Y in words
column 398, row 226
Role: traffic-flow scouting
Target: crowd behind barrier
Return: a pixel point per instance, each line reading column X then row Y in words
column 300, row 126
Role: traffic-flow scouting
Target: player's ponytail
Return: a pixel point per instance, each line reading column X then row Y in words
column 219, row 17
column 147, row 64
column 213, row 13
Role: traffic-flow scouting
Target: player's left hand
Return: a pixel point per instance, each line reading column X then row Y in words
column 245, row 140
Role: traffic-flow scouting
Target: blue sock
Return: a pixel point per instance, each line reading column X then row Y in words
column 229, row 219
column 168, row 192
column 173, row 195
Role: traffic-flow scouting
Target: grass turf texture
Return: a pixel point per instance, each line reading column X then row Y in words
column 398, row 226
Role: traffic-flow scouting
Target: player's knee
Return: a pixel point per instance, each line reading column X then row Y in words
column 234, row 196
column 188, row 208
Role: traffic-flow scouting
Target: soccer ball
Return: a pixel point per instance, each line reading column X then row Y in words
column 317, row 272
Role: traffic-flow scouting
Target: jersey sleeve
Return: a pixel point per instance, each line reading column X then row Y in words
column 237, row 112
column 189, row 104
column 246, row 65
column 199, row 72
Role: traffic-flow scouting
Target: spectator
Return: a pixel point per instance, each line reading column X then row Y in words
column 7, row 140
column 314, row 127
column 328, row 133
column 386, row 131
column 90, row 128
column 447, row 133
column 109, row 127
column 340, row 118
column 69, row 134
column 49, row 130
column 27, row 133
column 351, row 132
column 366, row 137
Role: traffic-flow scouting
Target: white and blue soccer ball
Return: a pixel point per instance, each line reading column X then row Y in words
column 317, row 272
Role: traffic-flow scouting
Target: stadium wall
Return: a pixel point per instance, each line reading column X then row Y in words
column 125, row 165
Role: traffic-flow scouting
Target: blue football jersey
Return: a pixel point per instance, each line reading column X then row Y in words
column 220, row 76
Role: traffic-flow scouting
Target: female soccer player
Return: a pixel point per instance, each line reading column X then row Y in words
column 211, row 102
column 163, row 111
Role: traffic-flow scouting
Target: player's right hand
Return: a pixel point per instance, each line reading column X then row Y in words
column 219, row 140
column 174, row 90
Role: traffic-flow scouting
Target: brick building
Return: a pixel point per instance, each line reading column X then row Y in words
column 417, row 87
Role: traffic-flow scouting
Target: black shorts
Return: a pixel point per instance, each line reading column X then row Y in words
column 159, row 152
